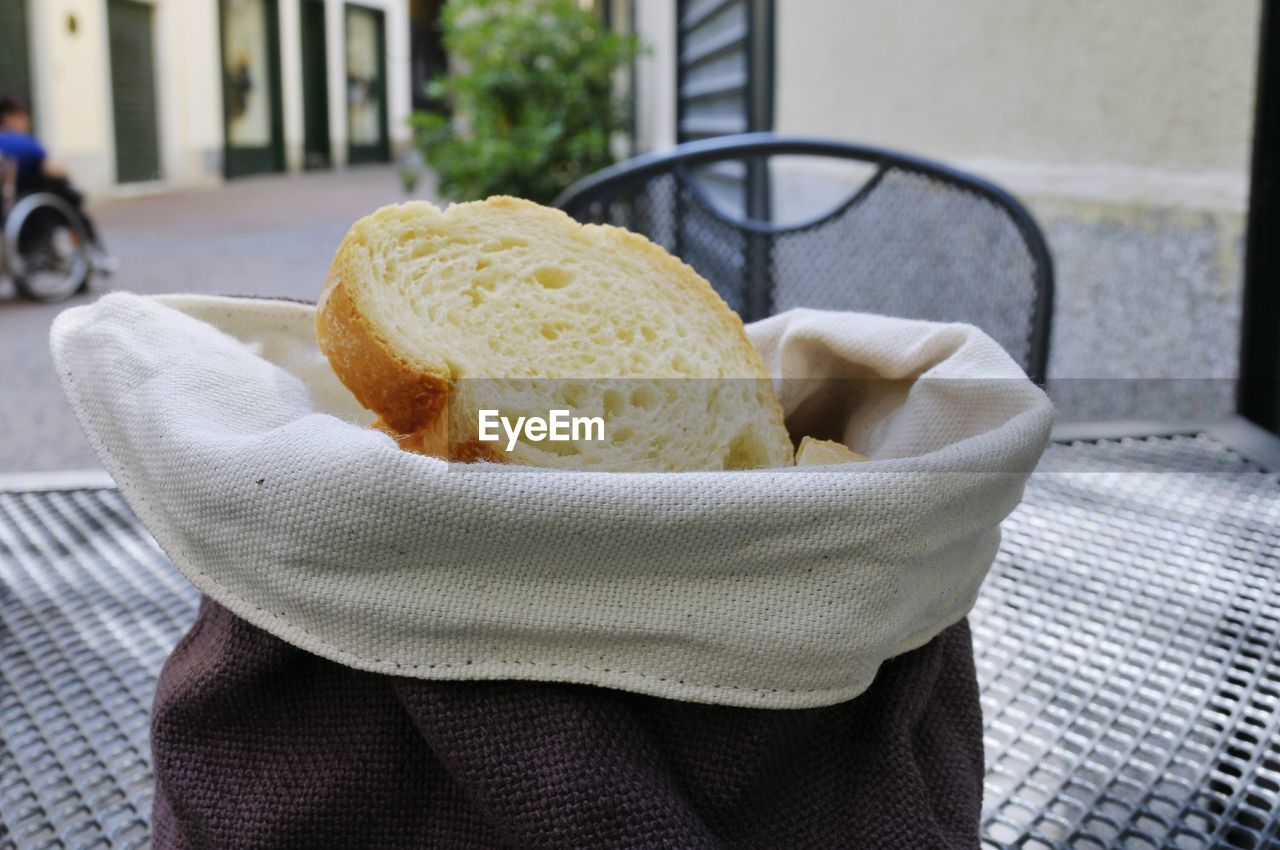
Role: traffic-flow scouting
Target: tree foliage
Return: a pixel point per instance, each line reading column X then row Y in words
column 532, row 98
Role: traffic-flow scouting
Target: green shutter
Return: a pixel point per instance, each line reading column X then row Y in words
column 713, row 68
column 724, row 86
column 15, row 73
column 315, row 84
column 133, row 90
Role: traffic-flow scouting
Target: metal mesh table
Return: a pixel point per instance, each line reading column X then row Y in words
column 1126, row 646
column 89, row 609
column 1126, row 643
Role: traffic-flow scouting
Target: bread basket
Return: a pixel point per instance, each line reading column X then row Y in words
column 256, row 472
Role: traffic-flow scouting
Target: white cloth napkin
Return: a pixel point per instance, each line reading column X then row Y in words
column 252, row 466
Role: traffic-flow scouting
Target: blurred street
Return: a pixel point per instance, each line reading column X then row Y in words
column 260, row 236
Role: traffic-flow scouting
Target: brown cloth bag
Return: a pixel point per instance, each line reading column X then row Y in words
column 259, row 744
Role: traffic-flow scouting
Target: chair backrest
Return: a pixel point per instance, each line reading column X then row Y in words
column 895, row 234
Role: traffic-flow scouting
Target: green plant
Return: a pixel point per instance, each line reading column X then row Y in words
column 532, row 96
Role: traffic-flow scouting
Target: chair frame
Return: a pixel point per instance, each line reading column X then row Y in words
column 599, row 185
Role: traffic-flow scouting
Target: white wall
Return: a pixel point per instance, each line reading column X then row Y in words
column 71, row 90
column 1130, row 100
column 1126, row 101
column 189, row 72
column 291, row 83
column 656, row 75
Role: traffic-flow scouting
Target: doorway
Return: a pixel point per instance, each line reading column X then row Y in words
column 252, row 118
column 315, row 87
column 366, row 40
column 428, row 59
column 130, row 32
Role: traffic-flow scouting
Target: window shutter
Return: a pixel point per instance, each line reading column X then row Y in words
column 15, row 70
column 133, row 90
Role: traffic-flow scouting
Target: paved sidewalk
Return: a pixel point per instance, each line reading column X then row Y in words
column 262, row 236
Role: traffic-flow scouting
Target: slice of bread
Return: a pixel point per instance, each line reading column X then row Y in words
column 814, row 452
column 430, row 317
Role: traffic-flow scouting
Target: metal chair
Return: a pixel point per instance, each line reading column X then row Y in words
column 898, row 235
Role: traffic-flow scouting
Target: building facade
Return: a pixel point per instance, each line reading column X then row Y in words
column 138, row 95
column 1126, row 127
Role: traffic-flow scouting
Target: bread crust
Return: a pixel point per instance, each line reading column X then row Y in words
column 408, row 399
column 412, row 404
column 433, row 442
column 815, row 452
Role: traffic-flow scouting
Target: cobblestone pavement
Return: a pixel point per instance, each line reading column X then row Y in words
column 262, row 236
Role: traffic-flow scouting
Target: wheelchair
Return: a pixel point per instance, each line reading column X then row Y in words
column 44, row 248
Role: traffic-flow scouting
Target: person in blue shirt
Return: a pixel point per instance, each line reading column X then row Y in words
column 38, row 172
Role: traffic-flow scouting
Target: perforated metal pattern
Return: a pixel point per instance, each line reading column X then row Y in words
column 89, row 608
column 904, row 244
column 1126, row 645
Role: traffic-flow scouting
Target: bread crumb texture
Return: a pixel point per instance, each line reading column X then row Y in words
column 430, row 316
column 815, row 452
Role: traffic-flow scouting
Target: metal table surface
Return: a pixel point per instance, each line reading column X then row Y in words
column 1126, row 644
